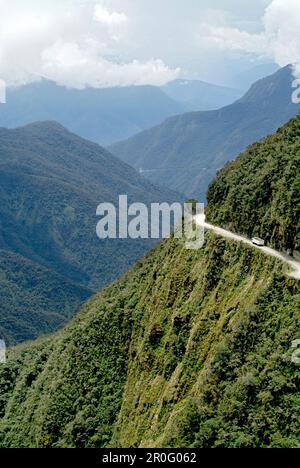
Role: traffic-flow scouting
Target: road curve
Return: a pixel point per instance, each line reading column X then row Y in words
column 288, row 260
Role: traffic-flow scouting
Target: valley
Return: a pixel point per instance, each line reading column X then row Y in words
column 149, row 228
column 51, row 182
column 186, row 152
column 188, row 349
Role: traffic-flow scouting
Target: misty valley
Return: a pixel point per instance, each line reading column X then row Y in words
column 149, row 228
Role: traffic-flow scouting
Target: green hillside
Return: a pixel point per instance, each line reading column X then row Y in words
column 33, row 299
column 259, row 193
column 51, row 182
column 188, row 349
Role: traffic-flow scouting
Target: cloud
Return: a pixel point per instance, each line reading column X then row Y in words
column 279, row 39
column 234, row 39
column 72, row 65
column 105, row 17
column 74, row 44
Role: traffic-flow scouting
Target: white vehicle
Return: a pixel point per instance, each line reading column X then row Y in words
column 2, row 352
column 259, row 242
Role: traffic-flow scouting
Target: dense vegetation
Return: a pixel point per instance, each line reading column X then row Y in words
column 33, row 299
column 259, row 193
column 51, row 183
column 188, row 349
column 186, row 151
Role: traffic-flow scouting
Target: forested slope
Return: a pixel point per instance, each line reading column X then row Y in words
column 188, row 349
column 259, row 193
column 51, row 182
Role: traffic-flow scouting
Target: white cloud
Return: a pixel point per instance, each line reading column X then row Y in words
column 234, row 39
column 279, row 40
column 70, row 64
column 105, row 17
column 76, row 45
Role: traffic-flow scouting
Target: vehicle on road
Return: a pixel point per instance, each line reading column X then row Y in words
column 259, row 242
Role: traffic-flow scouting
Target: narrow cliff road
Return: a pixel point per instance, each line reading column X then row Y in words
column 290, row 261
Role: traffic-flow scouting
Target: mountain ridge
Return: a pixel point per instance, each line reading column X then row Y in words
column 51, row 182
column 188, row 150
column 264, row 182
column 189, row 349
column 199, row 95
column 101, row 115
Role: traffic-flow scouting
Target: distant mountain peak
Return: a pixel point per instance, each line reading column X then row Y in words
column 186, row 151
column 102, row 115
column 46, row 125
column 199, row 95
column 266, row 88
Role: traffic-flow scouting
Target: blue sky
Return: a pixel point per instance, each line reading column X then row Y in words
column 120, row 42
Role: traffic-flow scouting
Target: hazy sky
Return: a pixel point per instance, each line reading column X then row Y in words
column 122, row 42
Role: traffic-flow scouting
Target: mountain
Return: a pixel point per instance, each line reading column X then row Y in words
column 51, row 182
column 248, row 77
column 259, row 193
column 188, row 349
column 185, row 152
column 101, row 115
column 198, row 95
column 34, row 300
